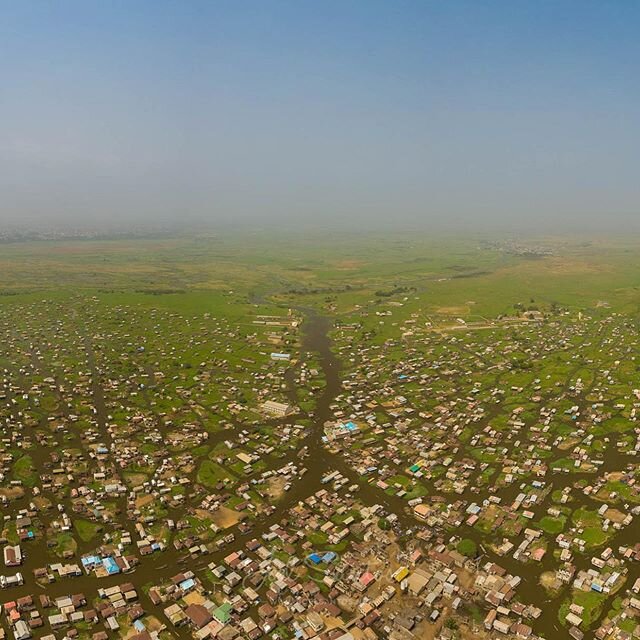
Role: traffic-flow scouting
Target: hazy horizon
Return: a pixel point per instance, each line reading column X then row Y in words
column 497, row 115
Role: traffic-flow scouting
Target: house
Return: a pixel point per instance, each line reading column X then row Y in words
column 573, row 619
column 198, row 615
column 21, row 630
column 285, row 357
column 12, row 555
column 315, row 621
column 422, row 511
column 278, row 409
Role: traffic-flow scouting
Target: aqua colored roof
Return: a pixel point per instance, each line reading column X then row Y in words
column 223, row 612
column 110, row 565
column 187, row 584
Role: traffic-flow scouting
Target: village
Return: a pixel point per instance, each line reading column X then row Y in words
column 386, row 475
column 320, row 320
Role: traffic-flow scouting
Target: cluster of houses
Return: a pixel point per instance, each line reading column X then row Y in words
column 501, row 459
column 453, row 463
column 28, row 616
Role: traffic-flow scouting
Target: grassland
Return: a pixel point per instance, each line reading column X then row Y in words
column 470, row 277
column 158, row 346
column 85, row 529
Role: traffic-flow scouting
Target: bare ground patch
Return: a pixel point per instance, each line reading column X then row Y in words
column 225, row 517
column 275, row 488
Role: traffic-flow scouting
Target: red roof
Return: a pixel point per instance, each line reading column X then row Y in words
column 367, row 578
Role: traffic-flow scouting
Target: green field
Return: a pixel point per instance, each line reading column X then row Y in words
column 468, row 276
column 136, row 373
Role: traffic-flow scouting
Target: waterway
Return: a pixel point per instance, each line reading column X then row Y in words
column 319, row 461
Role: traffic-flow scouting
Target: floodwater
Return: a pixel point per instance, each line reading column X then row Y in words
column 315, row 338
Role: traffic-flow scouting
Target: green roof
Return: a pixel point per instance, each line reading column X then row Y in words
column 223, row 612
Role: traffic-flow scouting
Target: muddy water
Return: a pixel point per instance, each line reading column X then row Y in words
column 158, row 567
column 529, row 591
column 315, row 339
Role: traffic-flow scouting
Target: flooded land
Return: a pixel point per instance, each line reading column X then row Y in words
column 206, row 438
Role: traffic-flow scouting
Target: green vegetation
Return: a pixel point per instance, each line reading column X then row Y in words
column 590, row 600
column 85, row 529
column 24, row 471
column 65, row 545
column 467, row 547
column 464, row 390
column 553, row 525
column 210, row 473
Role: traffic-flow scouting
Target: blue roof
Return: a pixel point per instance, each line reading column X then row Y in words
column 329, row 556
column 110, row 565
column 315, row 558
column 189, row 583
column 87, row 560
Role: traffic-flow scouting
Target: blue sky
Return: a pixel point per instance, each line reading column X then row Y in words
column 469, row 114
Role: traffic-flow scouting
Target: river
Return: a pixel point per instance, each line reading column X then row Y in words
column 158, row 567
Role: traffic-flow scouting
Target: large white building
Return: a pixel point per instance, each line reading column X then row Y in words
column 12, row 555
column 276, row 408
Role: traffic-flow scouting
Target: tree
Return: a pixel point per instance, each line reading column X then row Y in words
column 384, row 524
column 467, row 548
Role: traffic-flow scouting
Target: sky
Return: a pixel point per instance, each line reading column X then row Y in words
column 464, row 115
